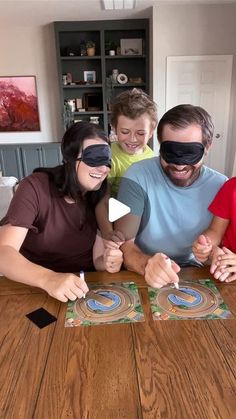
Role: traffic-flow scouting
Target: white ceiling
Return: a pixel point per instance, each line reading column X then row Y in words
column 41, row 12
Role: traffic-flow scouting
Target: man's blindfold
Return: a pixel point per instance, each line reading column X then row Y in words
column 179, row 153
column 96, row 155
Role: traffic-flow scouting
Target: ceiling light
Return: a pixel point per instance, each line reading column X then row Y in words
column 118, row 4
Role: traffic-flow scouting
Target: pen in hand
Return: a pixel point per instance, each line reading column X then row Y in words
column 95, row 296
column 176, row 284
column 81, row 275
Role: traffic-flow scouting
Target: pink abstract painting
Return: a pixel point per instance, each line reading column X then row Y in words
column 18, row 104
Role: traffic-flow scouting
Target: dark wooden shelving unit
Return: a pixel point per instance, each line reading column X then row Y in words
column 70, row 35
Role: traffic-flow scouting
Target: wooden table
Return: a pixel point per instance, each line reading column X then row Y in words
column 155, row 369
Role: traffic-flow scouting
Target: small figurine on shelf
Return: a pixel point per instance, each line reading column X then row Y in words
column 112, row 135
column 64, row 79
column 71, row 51
column 115, row 73
column 90, row 45
column 69, row 78
column 83, row 49
column 94, row 119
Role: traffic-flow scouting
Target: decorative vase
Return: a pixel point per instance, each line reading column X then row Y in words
column 91, row 51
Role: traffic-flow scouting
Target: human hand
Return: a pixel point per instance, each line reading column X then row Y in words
column 64, row 286
column 113, row 259
column 202, row 248
column 160, row 271
column 113, row 240
column 223, row 265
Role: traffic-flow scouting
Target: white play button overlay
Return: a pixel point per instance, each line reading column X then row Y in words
column 116, row 210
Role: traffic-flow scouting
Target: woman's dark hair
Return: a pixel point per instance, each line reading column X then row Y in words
column 182, row 116
column 64, row 177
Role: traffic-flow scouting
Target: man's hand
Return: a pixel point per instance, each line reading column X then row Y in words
column 64, row 287
column 161, row 271
column 223, row 265
column 202, row 248
column 113, row 259
column 113, row 240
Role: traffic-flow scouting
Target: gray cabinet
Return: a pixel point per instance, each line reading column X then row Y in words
column 31, row 156
column 51, row 154
column 20, row 160
column 10, row 161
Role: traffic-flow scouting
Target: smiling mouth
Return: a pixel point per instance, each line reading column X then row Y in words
column 179, row 174
column 96, row 175
column 131, row 146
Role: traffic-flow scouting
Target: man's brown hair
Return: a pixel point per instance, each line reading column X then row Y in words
column 182, row 116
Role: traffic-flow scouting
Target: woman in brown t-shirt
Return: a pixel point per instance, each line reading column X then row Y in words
column 50, row 228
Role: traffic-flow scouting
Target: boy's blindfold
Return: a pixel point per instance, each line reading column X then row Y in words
column 96, row 155
column 181, row 153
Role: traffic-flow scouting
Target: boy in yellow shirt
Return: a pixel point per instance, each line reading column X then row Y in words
column 133, row 118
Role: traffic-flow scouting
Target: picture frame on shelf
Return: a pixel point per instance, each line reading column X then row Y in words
column 19, row 104
column 132, row 46
column 90, row 76
column 79, row 104
column 92, row 102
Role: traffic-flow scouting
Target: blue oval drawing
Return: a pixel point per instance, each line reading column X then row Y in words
column 95, row 305
column 174, row 299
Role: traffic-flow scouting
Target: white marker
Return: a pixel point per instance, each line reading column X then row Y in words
column 176, row 284
column 81, row 275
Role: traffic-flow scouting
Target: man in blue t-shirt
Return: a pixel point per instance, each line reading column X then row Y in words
column 169, row 197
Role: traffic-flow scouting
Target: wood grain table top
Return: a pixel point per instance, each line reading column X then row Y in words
column 178, row 369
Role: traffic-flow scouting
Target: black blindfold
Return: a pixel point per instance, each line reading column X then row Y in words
column 96, row 155
column 181, row 153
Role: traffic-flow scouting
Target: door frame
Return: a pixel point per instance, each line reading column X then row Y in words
column 228, row 59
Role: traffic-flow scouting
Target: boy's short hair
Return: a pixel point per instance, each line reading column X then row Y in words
column 132, row 104
column 182, row 116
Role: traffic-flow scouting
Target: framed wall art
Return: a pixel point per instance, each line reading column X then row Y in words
column 19, row 104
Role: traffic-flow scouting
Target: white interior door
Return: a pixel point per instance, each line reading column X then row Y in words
column 203, row 81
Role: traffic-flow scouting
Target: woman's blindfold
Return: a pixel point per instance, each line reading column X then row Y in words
column 96, row 155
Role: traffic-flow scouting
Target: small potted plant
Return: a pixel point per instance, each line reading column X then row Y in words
column 90, row 45
column 68, row 115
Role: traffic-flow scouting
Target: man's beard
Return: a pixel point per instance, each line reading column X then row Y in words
column 185, row 181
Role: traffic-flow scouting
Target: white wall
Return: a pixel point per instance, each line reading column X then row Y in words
column 194, row 30
column 177, row 30
column 30, row 51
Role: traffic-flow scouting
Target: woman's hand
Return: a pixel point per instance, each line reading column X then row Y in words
column 64, row 286
column 113, row 259
column 223, row 265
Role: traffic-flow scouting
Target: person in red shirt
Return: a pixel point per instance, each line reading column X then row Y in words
column 218, row 242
